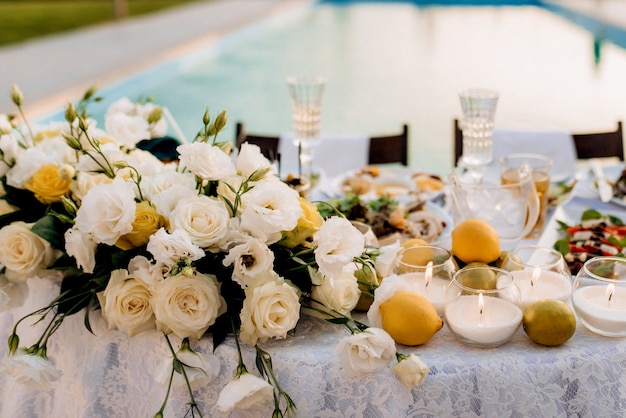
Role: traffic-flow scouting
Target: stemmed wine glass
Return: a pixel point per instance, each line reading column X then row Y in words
column 479, row 107
column 306, row 102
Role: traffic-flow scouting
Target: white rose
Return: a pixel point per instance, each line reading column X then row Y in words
column 270, row 310
column 169, row 249
column 108, row 211
column 366, row 351
column 23, row 252
column 250, row 159
column 125, row 304
column 271, row 209
column 249, row 259
column 337, row 242
column 340, row 293
column 205, row 220
column 150, row 273
column 245, row 392
column 411, row 370
column 186, row 306
column 206, row 161
column 82, row 248
column 86, row 181
column 30, row 369
column 200, row 368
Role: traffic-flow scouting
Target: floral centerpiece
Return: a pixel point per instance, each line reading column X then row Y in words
column 212, row 245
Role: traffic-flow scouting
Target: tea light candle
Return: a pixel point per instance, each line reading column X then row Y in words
column 602, row 307
column 432, row 288
column 539, row 284
column 483, row 320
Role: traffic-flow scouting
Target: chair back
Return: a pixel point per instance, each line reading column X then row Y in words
column 588, row 145
column 268, row 144
column 390, row 149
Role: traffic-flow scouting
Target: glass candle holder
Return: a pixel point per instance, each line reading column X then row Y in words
column 540, row 273
column 482, row 306
column 599, row 296
column 430, row 268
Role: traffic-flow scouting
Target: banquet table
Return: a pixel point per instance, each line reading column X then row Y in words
column 108, row 374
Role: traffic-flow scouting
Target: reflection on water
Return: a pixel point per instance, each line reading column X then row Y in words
column 391, row 63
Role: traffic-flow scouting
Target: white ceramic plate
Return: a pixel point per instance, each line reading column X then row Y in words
column 570, row 213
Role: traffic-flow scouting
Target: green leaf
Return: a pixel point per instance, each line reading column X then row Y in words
column 50, row 229
column 562, row 246
column 590, row 214
column 338, row 321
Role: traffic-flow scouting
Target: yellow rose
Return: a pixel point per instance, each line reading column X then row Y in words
column 47, row 184
column 147, row 222
column 308, row 224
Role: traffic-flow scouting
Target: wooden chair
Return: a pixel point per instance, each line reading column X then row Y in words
column 383, row 149
column 588, row 145
column 268, row 144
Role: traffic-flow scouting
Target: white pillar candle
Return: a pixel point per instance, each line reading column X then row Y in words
column 432, row 288
column 537, row 284
column 483, row 320
column 602, row 307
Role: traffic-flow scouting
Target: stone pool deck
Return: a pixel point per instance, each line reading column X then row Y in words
column 54, row 69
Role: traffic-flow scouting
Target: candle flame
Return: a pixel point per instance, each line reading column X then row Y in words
column 610, row 291
column 429, row 273
column 481, row 303
column 535, row 276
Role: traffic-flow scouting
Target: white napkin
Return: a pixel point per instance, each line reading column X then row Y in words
column 557, row 145
column 335, row 153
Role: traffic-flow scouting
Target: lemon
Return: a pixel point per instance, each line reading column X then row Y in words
column 413, row 242
column 414, row 256
column 509, row 261
column 549, row 322
column 479, row 278
column 475, row 240
column 409, row 318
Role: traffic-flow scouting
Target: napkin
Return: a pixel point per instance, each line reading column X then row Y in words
column 335, row 154
column 557, row 145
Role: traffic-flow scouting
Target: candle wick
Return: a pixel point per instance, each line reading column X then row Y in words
column 610, row 296
column 427, row 283
column 532, row 283
column 481, row 311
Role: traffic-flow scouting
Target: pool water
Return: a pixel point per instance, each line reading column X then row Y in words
column 391, row 63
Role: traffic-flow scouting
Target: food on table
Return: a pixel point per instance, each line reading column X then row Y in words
column 375, row 181
column 409, row 318
column 560, row 192
column 597, row 234
column 390, row 220
column 475, row 240
column 549, row 322
column 619, row 187
column 428, row 182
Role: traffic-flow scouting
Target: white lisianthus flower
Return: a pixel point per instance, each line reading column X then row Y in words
column 150, row 273
column 166, row 201
column 33, row 370
column 339, row 293
column 411, row 370
column 108, row 211
column 10, row 149
column 245, row 392
column 384, row 262
column 206, row 161
column 125, row 124
column 270, row 310
column 125, row 304
column 366, row 351
column 227, row 190
column 187, row 306
column 157, row 128
column 26, row 164
column 389, row 287
column 85, row 182
column 337, row 242
column 169, row 249
column 12, row 295
column 82, row 247
column 249, row 259
column 200, row 368
column 271, row 209
column 165, row 179
column 23, row 253
column 250, row 159
column 204, row 219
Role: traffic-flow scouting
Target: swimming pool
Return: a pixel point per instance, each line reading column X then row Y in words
column 389, row 63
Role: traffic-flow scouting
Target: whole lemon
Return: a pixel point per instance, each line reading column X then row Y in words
column 475, row 240
column 409, row 318
column 549, row 322
column 479, row 278
column 409, row 257
column 412, row 242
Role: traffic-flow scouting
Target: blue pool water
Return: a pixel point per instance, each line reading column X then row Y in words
column 393, row 62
